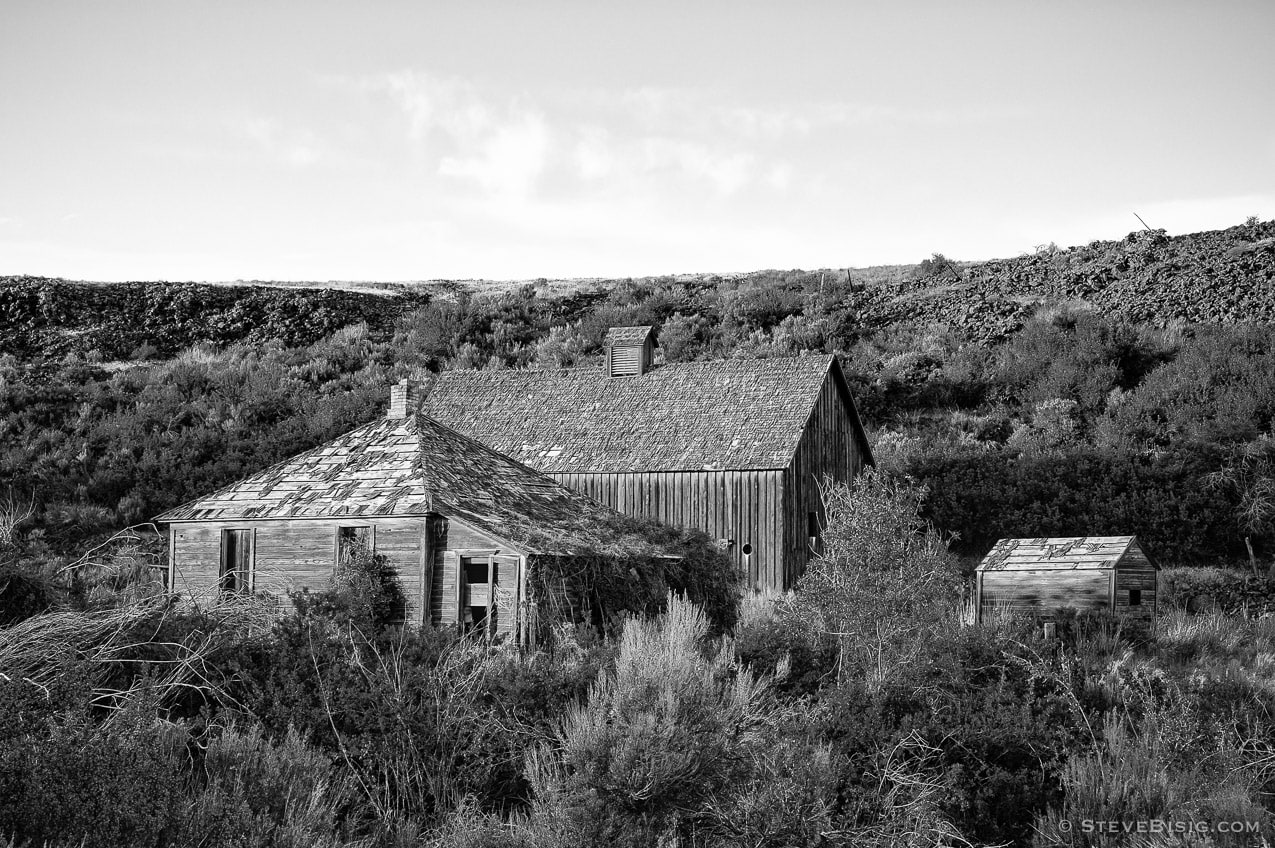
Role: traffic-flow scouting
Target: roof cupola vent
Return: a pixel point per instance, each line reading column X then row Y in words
column 629, row 351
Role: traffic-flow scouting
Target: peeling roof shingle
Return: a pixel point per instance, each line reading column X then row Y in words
column 730, row 414
column 1074, row 552
column 409, row 466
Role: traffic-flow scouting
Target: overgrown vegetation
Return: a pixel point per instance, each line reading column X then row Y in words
column 855, row 711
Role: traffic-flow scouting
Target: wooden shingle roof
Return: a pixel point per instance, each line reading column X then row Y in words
column 1069, row 553
column 733, row 414
column 405, row 466
column 627, row 335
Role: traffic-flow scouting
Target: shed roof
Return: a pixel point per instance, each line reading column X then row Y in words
column 1060, row 553
column 731, row 414
column 407, row 466
column 628, row 335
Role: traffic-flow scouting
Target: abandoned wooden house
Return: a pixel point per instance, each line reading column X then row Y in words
column 449, row 513
column 1042, row 576
column 737, row 448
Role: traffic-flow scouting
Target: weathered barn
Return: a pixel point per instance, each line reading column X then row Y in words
column 1042, row 576
column 737, row 448
column 445, row 510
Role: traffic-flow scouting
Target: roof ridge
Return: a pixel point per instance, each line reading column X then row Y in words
column 474, row 443
column 736, row 413
column 271, row 467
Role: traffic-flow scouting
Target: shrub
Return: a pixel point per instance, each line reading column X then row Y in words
column 767, row 642
column 1130, row 778
column 25, row 590
column 661, row 741
column 248, row 791
column 116, row 784
column 876, row 546
column 367, row 584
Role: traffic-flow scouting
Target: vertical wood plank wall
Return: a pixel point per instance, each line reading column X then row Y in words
column 294, row 554
column 827, row 447
column 746, row 506
column 1135, row 571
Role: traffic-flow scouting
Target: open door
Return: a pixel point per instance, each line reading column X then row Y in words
column 235, row 571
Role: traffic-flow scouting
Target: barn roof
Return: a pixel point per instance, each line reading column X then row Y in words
column 1068, row 553
column 731, row 414
column 406, row 466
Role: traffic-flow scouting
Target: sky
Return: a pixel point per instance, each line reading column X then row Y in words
column 291, row 140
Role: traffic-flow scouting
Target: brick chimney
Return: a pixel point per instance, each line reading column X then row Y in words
column 405, row 397
column 629, row 351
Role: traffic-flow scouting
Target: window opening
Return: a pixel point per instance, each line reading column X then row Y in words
column 1135, row 597
column 235, row 571
column 349, row 539
column 478, row 605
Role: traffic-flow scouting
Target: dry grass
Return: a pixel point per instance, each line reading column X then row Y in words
column 40, row 649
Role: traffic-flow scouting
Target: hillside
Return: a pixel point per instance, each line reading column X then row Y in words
column 1147, row 277
column 49, row 318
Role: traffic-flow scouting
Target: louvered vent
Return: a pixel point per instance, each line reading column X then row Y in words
column 626, row 361
column 629, row 351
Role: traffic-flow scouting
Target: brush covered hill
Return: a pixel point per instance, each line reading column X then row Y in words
column 47, row 318
column 1216, row 276
column 1219, row 276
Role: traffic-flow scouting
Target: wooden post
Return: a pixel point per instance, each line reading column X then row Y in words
column 978, row 597
column 491, row 597
column 172, row 558
column 427, row 570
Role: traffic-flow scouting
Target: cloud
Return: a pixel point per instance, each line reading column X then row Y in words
column 509, row 156
column 577, row 141
column 727, row 171
column 298, row 148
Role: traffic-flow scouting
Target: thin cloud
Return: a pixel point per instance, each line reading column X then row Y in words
column 510, row 156
column 298, row 148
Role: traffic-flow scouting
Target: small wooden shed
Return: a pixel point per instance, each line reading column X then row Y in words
column 1041, row 576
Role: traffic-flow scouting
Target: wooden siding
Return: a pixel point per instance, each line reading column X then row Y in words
column 1082, row 572
column 450, row 541
column 1135, row 571
column 1044, row 590
column 293, row 554
column 828, row 447
column 746, row 506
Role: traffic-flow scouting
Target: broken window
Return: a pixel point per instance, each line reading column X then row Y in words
column 478, row 596
column 235, row 571
column 351, row 539
column 1135, row 597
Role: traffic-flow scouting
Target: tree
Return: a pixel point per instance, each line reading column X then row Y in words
column 885, row 580
column 1251, row 475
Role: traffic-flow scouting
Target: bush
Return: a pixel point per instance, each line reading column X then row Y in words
column 660, row 742
column 367, row 584
column 25, row 590
column 118, row 783
column 248, row 791
column 876, row 546
column 983, row 721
